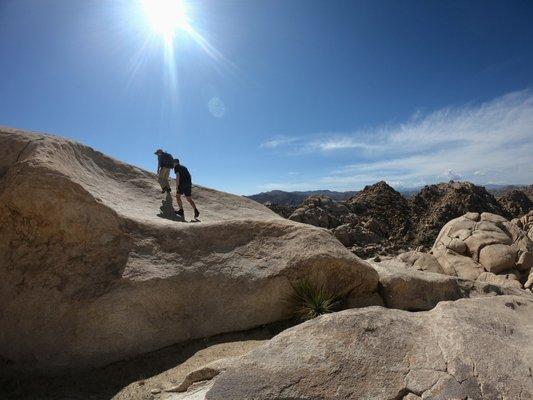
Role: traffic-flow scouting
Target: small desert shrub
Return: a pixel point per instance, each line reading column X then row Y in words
column 311, row 299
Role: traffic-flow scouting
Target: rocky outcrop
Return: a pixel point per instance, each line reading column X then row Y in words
column 500, row 192
column 94, row 266
column 435, row 205
column 525, row 223
column 321, row 211
column 293, row 199
column 515, row 202
column 284, row 210
column 484, row 247
column 386, row 206
column 472, row 348
column 373, row 221
column 356, row 234
column 379, row 220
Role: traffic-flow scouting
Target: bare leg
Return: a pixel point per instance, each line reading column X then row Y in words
column 191, row 202
column 178, row 199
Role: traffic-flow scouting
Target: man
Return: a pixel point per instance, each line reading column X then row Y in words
column 164, row 163
column 184, row 186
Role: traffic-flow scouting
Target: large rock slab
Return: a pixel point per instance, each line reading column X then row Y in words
column 95, row 268
column 478, row 349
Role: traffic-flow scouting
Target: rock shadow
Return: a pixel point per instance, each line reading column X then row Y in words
column 106, row 382
column 167, row 210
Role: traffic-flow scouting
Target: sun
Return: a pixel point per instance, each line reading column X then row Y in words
column 169, row 26
column 166, row 17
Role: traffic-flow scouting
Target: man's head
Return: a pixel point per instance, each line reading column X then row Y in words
column 176, row 162
column 158, row 152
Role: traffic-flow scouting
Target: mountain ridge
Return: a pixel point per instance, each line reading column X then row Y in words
column 294, row 198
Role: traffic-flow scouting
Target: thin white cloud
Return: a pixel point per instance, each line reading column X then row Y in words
column 340, row 143
column 287, row 186
column 491, row 142
column 277, row 142
column 324, row 142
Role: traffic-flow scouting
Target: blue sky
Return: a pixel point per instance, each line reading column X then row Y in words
column 294, row 95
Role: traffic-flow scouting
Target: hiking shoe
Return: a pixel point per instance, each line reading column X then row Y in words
column 180, row 213
column 196, row 213
column 168, row 190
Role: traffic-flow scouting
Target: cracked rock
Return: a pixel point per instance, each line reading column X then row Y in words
column 471, row 348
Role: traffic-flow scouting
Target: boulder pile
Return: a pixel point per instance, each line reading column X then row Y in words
column 380, row 221
column 515, row 202
column 525, row 223
column 321, row 211
column 483, row 247
column 435, row 205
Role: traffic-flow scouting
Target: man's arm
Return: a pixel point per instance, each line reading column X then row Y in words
column 177, row 180
column 158, row 164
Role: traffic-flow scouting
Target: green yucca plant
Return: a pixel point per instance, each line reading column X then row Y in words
column 311, row 299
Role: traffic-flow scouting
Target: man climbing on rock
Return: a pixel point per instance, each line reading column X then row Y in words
column 164, row 163
column 184, row 187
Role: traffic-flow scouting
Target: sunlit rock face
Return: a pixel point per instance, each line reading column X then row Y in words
column 471, row 348
column 95, row 267
column 484, row 247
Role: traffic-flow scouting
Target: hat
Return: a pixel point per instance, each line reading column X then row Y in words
column 158, row 151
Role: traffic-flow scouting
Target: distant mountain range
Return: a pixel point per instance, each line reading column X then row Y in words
column 281, row 197
column 500, row 190
column 295, row 198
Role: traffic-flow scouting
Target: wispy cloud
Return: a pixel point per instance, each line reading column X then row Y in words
column 340, row 143
column 287, row 186
column 325, row 142
column 278, row 141
column 491, row 142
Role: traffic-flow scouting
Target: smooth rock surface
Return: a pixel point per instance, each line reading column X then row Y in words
column 478, row 349
column 498, row 257
column 94, row 266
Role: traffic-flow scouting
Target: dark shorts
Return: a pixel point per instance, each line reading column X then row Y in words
column 185, row 188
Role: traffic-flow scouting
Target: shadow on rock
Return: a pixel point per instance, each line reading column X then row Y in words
column 167, row 210
column 123, row 379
